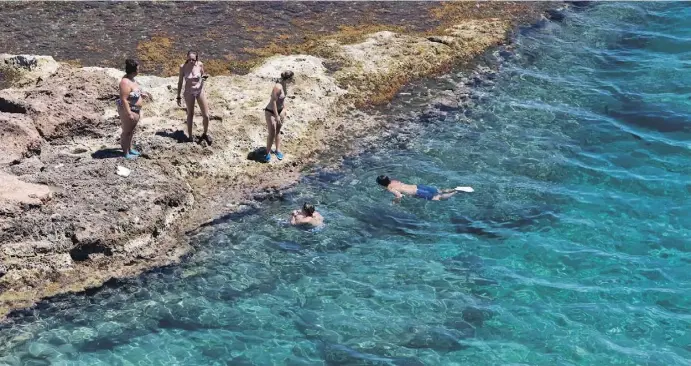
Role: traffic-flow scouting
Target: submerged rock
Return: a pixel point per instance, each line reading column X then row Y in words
column 436, row 338
column 446, row 103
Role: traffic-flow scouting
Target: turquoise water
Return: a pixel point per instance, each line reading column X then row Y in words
column 575, row 248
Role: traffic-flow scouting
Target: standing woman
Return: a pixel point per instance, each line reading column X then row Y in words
column 274, row 112
column 129, row 107
column 192, row 72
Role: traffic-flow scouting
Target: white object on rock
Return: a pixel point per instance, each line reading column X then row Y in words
column 123, row 172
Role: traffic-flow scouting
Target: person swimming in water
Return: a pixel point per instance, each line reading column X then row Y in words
column 307, row 216
column 275, row 114
column 193, row 74
column 399, row 189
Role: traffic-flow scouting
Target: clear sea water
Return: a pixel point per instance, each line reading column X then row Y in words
column 575, row 248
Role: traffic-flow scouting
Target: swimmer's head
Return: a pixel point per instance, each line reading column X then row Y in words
column 131, row 66
column 287, row 75
column 383, row 180
column 192, row 56
column 308, row 209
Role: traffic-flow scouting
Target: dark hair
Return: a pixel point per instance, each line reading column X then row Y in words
column 308, row 208
column 383, row 180
column 131, row 66
column 196, row 55
column 285, row 75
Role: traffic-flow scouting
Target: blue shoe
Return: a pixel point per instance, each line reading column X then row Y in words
column 130, row 156
column 267, row 158
column 279, row 155
column 134, row 152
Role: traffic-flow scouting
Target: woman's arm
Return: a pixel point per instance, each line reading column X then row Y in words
column 180, row 84
column 125, row 90
column 145, row 94
column 274, row 97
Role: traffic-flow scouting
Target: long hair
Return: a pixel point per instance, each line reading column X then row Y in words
column 196, row 56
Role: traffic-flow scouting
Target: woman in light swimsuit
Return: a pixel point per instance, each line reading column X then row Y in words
column 275, row 113
column 192, row 72
column 129, row 107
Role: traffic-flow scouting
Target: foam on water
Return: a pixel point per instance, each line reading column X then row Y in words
column 574, row 248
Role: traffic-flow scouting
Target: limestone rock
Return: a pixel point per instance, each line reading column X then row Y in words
column 27, row 69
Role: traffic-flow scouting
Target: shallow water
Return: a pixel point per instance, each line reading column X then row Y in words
column 574, row 249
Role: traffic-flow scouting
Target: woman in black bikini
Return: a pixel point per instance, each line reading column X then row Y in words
column 275, row 113
column 192, row 73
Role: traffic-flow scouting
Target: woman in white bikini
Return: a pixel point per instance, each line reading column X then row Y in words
column 192, row 72
column 130, row 107
column 275, row 113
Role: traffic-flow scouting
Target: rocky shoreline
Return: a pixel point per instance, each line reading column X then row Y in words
column 70, row 223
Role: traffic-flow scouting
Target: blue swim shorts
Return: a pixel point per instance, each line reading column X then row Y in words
column 426, row 192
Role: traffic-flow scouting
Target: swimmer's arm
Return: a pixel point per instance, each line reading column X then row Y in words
column 397, row 194
column 297, row 220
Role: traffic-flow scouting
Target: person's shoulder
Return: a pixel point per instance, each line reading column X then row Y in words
column 124, row 81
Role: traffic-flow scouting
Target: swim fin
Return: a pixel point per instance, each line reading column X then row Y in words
column 465, row 189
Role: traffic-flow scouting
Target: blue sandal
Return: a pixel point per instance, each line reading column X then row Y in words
column 134, row 152
column 267, row 158
column 130, row 156
column 279, row 155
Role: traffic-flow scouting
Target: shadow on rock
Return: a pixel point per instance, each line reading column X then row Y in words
column 179, row 135
column 107, row 154
column 257, row 155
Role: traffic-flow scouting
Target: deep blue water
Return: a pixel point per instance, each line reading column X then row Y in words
column 575, row 248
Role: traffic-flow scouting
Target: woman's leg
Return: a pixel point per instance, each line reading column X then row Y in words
column 126, row 135
column 133, row 126
column 189, row 103
column 204, row 107
column 279, row 124
column 271, row 126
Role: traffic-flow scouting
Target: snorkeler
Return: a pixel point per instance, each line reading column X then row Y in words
column 307, row 216
column 399, row 189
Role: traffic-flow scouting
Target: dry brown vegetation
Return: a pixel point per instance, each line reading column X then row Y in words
column 157, row 53
column 160, row 53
